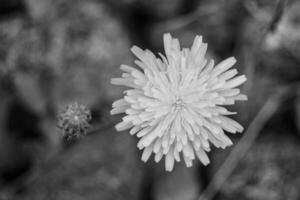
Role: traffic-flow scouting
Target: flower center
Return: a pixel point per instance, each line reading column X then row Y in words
column 178, row 104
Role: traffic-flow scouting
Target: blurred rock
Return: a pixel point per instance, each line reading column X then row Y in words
column 269, row 171
column 181, row 183
column 100, row 166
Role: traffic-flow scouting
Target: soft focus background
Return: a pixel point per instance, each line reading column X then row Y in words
column 55, row 52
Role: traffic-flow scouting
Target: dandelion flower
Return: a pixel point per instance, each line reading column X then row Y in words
column 174, row 103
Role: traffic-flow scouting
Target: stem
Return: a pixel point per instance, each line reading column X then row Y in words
column 263, row 116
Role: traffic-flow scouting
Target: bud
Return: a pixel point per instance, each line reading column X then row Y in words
column 74, row 121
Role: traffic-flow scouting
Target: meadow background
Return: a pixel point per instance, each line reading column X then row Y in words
column 55, row 52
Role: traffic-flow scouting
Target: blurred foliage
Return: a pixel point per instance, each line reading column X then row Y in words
column 53, row 52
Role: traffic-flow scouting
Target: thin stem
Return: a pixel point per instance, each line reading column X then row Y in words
column 263, row 116
column 240, row 149
column 101, row 126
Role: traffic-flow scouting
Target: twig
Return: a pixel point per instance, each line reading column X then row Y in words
column 102, row 126
column 185, row 20
column 240, row 149
column 277, row 15
column 270, row 26
column 250, row 54
column 266, row 112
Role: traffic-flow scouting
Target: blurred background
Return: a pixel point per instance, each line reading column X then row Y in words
column 55, row 52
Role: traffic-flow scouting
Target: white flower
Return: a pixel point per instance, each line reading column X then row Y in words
column 175, row 104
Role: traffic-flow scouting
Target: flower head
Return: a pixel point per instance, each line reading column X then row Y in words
column 74, row 120
column 175, row 102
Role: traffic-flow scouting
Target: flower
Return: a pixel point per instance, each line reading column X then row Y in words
column 74, row 120
column 175, row 103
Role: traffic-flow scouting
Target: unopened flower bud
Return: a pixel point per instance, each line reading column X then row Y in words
column 74, row 121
